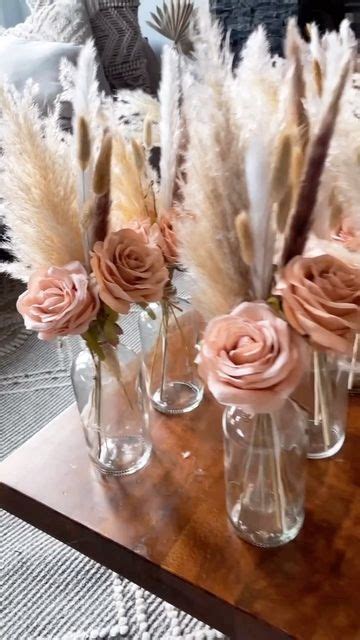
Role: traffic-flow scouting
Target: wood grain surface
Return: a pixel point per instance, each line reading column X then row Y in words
column 166, row 528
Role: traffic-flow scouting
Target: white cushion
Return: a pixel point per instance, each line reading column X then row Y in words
column 23, row 59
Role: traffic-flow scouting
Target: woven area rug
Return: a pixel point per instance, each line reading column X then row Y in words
column 47, row 590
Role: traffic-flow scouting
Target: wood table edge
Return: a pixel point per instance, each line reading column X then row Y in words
column 231, row 621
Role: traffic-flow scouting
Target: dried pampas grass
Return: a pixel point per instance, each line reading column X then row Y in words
column 214, row 190
column 302, row 219
column 39, row 186
column 133, row 190
column 170, row 126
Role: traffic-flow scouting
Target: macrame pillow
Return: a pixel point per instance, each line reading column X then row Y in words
column 119, row 42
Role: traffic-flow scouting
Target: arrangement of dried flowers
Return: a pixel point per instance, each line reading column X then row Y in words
column 264, row 144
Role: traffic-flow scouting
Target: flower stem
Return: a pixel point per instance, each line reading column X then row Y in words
column 165, row 322
column 320, row 393
column 354, row 358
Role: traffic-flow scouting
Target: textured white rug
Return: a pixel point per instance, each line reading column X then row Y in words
column 49, row 591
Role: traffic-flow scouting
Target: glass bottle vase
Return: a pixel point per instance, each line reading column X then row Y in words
column 326, row 399
column 113, row 408
column 169, row 333
column 265, row 462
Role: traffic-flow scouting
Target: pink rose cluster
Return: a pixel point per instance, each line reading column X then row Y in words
column 251, row 358
column 127, row 268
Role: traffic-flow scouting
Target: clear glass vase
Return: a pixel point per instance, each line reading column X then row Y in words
column 265, row 462
column 169, row 333
column 113, row 408
column 326, row 400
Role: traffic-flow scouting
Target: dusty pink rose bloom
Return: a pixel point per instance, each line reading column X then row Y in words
column 59, row 301
column 251, row 358
column 348, row 235
column 167, row 229
column 321, row 300
column 128, row 269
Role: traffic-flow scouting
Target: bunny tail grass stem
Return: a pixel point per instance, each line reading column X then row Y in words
column 302, row 218
column 355, row 354
column 277, row 477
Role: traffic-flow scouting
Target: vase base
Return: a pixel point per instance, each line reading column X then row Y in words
column 266, row 539
column 177, row 398
column 316, row 447
column 323, row 454
column 122, row 460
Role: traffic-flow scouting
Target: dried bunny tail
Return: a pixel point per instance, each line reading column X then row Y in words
column 100, row 208
column 302, row 218
column 102, row 171
column 83, row 144
column 147, row 132
column 298, row 111
column 170, row 125
column 38, row 185
column 243, row 230
column 282, row 168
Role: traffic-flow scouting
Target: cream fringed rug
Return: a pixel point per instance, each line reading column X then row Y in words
column 49, row 591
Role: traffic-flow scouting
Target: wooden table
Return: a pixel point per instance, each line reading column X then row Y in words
column 165, row 528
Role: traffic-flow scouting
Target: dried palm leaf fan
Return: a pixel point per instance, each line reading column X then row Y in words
column 173, row 22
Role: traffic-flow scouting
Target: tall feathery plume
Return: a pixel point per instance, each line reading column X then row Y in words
column 85, row 104
column 302, row 218
column 170, row 126
column 38, row 186
column 214, row 189
column 132, row 190
column 297, row 106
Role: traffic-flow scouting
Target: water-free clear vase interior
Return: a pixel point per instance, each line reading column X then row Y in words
column 169, row 334
column 113, row 408
column 265, row 463
column 326, row 397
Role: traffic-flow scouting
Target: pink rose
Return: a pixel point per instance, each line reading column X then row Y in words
column 321, row 298
column 251, row 358
column 128, row 269
column 59, row 301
